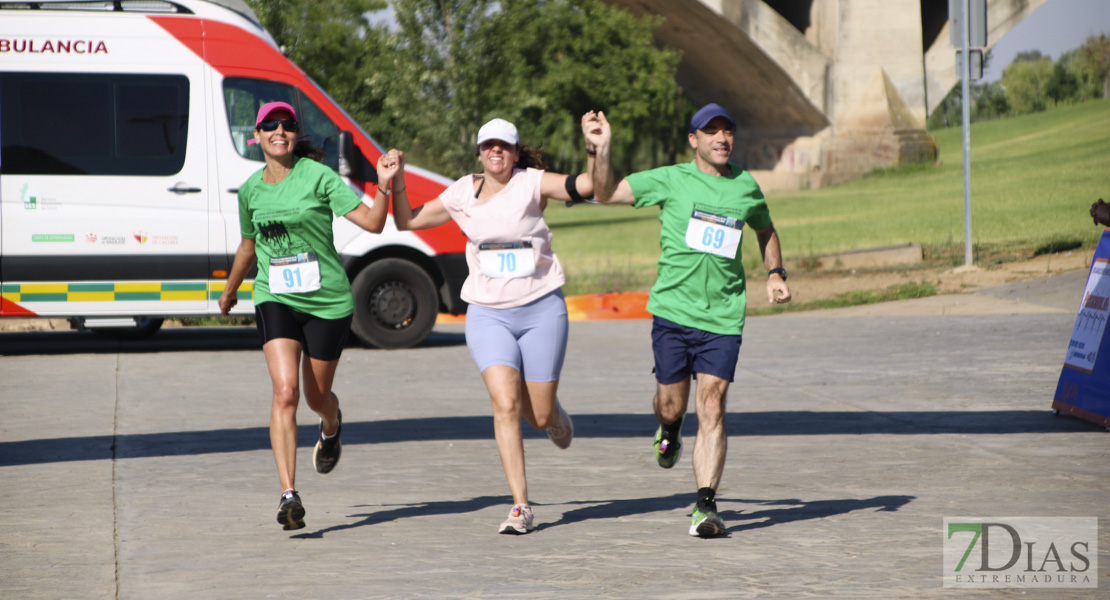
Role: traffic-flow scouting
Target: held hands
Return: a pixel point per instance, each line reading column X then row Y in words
column 390, row 165
column 1100, row 212
column 596, row 130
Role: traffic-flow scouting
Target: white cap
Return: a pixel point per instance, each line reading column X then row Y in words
column 498, row 129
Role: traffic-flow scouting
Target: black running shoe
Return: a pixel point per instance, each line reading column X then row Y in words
column 326, row 454
column 291, row 511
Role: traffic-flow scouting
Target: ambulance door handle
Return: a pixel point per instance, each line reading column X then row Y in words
column 233, row 190
column 177, row 189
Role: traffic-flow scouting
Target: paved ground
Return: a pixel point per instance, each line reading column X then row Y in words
column 144, row 471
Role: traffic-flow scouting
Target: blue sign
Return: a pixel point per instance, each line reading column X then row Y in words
column 1084, row 387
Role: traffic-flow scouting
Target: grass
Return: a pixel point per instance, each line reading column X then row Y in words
column 905, row 291
column 1033, row 179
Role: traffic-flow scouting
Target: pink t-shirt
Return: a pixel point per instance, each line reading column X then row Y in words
column 511, row 215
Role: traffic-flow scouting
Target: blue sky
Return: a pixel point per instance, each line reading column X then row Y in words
column 1054, row 28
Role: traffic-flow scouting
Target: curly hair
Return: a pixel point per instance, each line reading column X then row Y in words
column 530, row 158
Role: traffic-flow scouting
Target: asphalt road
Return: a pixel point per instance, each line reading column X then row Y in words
column 143, row 470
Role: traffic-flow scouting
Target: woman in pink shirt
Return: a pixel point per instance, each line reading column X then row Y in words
column 516, row 323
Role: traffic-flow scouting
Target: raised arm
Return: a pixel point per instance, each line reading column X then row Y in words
column 606, row 189
column 430, row 214
column 372, row 218
column 559, row 187
column 777, row 290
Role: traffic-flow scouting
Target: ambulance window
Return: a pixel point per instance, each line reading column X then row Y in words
column 243, row 97
column 93, row 124
column 321, row 130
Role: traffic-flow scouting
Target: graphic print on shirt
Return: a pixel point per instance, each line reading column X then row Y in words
column 293, row 265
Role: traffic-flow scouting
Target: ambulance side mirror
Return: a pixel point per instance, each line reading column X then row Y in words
column 346, row 153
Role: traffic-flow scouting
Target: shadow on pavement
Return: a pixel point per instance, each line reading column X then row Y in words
column 404, row 511
column 786, row 511
column 771, row 423
column 195, row 339
column 800, row 510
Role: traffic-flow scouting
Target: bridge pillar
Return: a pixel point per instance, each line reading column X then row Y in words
column 800, row 77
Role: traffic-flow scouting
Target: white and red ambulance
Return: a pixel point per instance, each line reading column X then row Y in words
column 123, row 141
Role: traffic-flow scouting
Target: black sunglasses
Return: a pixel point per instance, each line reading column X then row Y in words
column 289, row 125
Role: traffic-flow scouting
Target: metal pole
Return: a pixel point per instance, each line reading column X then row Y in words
column 965, row 76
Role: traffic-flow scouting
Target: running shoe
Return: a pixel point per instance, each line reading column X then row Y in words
column 562, row 432
column 667, row 450
column 290, row 511
column 326, row 454
column 707, row 524
column 519, row 521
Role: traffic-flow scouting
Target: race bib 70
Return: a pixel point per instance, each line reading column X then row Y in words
column 506, row 259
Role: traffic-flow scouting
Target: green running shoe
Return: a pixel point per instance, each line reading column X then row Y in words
column 668, row 451
column 706, row 524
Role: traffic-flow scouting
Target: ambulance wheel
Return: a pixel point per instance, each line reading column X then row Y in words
column 395, row 304
column 144, row 328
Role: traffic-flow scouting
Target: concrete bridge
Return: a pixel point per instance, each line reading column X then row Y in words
column 823, row 90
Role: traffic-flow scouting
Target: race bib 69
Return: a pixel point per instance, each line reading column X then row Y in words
column 715, row 234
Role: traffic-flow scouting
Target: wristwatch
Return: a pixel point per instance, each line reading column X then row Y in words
column 779, row 270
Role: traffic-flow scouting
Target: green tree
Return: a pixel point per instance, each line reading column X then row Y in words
column 327, row 40
column 1062, row 85
column 1029, row 56
column 1092, row 67
column 1026, row 83
column 426, row 78
column 990, row 101
column 453, row 64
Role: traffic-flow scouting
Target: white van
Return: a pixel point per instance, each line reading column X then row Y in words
column 123, row 142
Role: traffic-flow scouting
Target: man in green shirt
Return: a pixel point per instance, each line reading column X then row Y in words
column 699, row 299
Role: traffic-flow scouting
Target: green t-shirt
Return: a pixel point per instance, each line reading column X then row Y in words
column 698, row 287
column 293, row 219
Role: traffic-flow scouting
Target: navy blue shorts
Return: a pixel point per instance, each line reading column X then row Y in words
column 322, row 339
column 681, row 351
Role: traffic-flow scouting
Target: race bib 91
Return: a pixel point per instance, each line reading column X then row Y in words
column 506, row 259
column 715, row 234
column 294, row 274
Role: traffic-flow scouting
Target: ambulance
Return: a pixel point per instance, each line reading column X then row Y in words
column 123, row 142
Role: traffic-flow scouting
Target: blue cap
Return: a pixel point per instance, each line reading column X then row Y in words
column 707, row 114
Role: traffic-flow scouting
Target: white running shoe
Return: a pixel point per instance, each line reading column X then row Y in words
column 562, row 432
column 519, row 521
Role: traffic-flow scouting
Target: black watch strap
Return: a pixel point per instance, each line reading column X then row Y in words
column 779, row 270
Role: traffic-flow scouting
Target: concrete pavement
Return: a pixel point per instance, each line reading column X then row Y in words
column 143, row 471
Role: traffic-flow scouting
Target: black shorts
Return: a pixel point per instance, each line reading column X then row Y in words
column 322, row 339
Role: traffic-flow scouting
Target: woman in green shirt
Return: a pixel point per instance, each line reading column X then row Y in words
column 302, row 298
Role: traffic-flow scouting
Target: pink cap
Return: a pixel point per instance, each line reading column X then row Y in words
column 270, row 107
column 265, row 111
